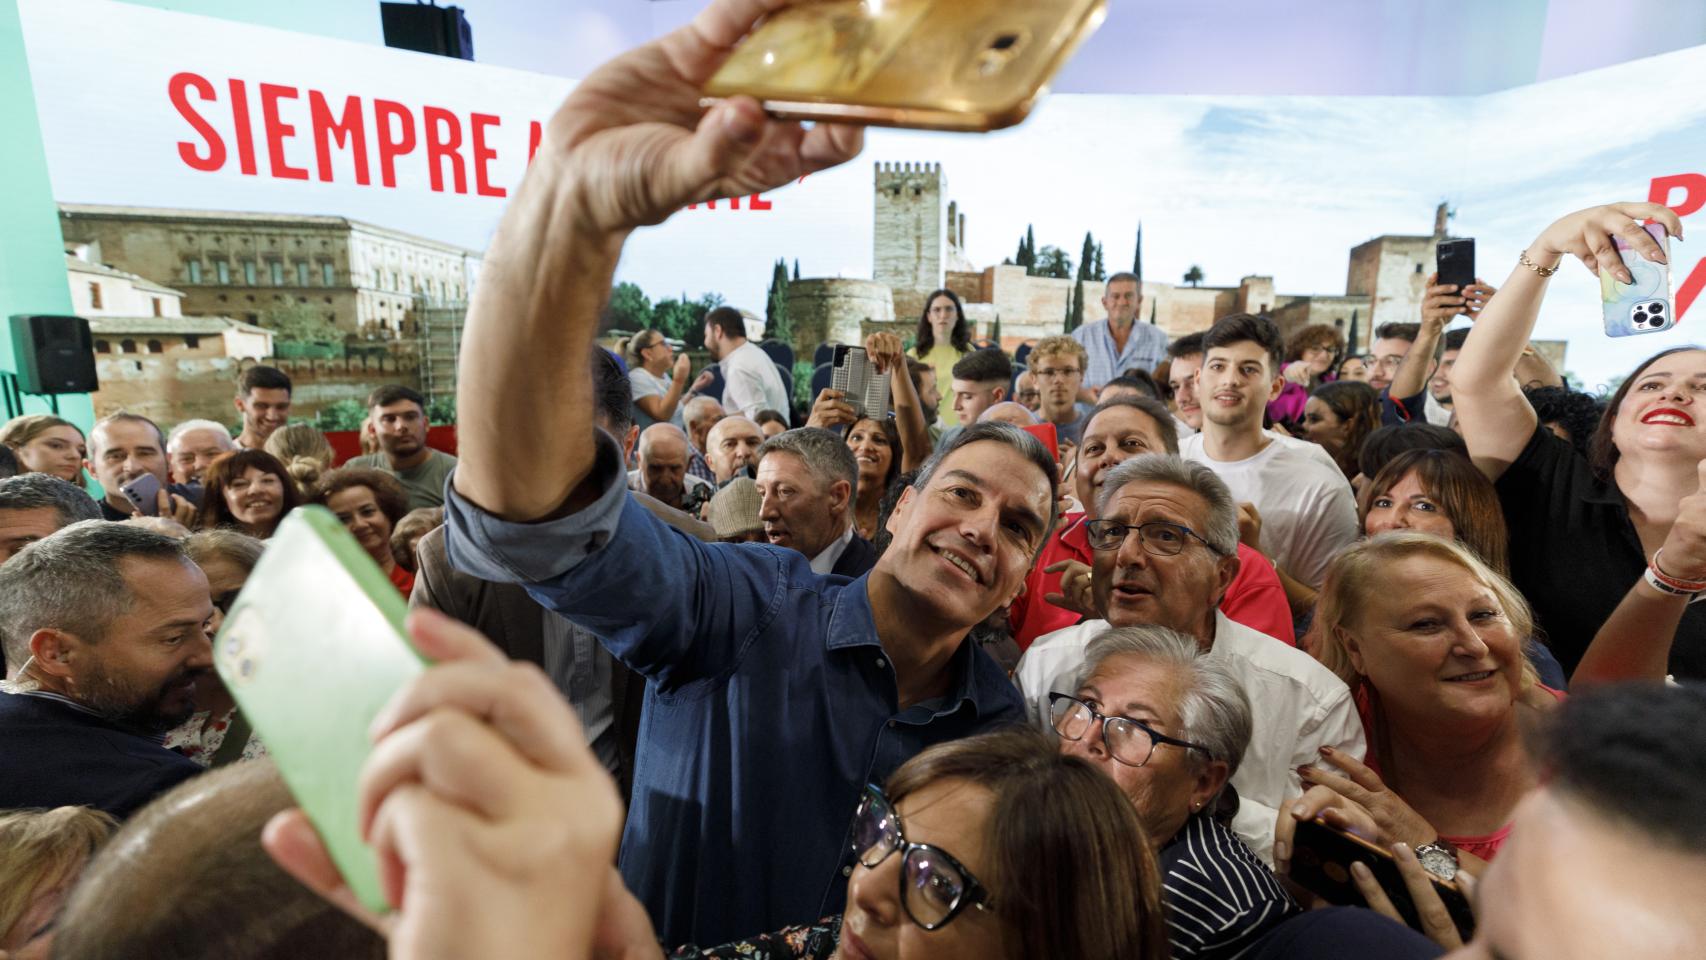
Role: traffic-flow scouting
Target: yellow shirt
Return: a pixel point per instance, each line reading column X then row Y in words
column 942, row 358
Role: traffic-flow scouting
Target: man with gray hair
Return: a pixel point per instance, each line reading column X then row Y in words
column 1165, row 549
column 807, row 481
column 662, row 472
column 109, row 622
column 194, row 444
column 700, row 414
column 35, row 505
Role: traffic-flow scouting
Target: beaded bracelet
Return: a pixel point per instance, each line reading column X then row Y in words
column 1522, row 258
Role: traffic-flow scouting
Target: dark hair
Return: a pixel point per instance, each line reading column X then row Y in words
column 1358, row 405
column 1314, row 335
column 924, row 340
column 9, row 465
column 885, row 508
column 729, row 321
column 187, row 877
column 1154, row 409
column 1188, row 345
column 770, row 416
column 1134, row 379
column 33, row 491
column 1602, row 449
column 1389, row 441
column 388, row 491
column 1248, row 328
column 1577, row 413
column 262, row 377
column 1468, row 498
column 1125, row 276
column 612, row 394
column 395, row 393
column 1398, row 331
column 1454, row 339
column 1007, row 434
column 896, row 451
column 226, row 469
column 984, row 366
column 1070, row 868
column 1630, row 753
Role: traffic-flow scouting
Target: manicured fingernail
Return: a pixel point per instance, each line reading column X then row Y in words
column 1361, row 871
column 1299, row 811
column 1403, row 851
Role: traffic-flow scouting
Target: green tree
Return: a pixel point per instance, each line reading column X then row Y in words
column 1087, row 257
column 1027, row 255
column 1100, row 272
column 1194, row 276
column 300, row 323
column 995, row 334
column 1137, row 259
column 777, row 325
column 343, row 415
column 629, row 309
column 1075, row 307
column 1053, row 262
column 796, row 268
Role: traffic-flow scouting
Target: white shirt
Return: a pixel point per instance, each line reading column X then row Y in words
column 824, row 562
column 1296, row 706
column 751, row 383
column 1308, row 511
column 1184, row 429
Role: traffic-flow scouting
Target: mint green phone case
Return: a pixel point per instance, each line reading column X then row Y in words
column 312, row 649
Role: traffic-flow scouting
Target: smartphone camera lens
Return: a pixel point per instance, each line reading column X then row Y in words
column 1655, row 308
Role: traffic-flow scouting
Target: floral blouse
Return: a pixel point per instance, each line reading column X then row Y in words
column 199, row 740
column 814, row 942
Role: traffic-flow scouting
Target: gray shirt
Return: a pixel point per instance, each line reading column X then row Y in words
column 424, row 483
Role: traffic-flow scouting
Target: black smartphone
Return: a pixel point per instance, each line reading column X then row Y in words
column 1455, row 260
column 1321, row 861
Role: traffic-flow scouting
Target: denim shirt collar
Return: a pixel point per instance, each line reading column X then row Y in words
column 852, row 625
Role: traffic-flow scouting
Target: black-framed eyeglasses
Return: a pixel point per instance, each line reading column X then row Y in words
column 934, row 887
column 1160, row 538
column 1131, row 742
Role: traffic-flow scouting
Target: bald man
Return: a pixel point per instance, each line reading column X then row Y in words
column 662, row 472
column 699, row 415
column 1026, row 391
column 1009, row 412
column 731, row 448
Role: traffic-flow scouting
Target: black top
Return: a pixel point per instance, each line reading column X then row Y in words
column 857, row 560
column 1221, row 899
column 53, row 753
column 1574, row 552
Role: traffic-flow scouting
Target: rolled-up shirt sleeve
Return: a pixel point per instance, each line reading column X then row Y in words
column 668, row 606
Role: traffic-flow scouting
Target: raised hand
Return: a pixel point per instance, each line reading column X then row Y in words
column 1683, row 555
column 1075, row 593
column 684, row 366
column 886, row 352
column 1441, row 302
column 636, row 145
column 1436, row 919
column 831, row 411
column 1586, row 235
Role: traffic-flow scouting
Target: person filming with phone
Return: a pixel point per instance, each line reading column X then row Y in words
column 127, row 450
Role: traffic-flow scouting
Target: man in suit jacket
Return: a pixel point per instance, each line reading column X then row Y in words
column 807, row 479
column 605, row 695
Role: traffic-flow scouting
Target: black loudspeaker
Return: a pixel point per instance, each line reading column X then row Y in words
column 428, row 29
column 53, row 355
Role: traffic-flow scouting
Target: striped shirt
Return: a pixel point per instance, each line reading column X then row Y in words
column 1145, row 348
column 1220, row 898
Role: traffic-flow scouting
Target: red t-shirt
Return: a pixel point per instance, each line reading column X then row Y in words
column 1255, row 599
column 404, row 580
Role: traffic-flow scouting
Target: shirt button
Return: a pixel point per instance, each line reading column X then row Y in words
column 891, row 724
column 847, row 871
column 882, row 664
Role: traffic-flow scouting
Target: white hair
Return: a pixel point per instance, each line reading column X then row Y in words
column 219, row 429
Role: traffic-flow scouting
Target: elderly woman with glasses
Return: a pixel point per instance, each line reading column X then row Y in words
column 1168, row 722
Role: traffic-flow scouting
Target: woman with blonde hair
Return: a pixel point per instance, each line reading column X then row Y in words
column 305, row 453
column 44, row 443
column 42, row 853
column 1430, row 639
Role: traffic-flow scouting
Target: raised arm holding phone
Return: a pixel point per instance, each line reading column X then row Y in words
column 1585, row 529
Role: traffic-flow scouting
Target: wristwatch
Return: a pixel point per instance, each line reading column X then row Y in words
column 1438, row 858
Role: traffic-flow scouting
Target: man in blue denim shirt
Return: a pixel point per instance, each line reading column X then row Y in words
column 774, row 694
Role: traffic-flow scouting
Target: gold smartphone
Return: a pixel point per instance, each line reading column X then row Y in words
column 963, row 65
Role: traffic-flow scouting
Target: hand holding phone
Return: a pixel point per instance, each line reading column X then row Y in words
column 1642, row 304
column 1323, row 861
column 1455, row 262
column 144, row 491
column 932, row 64
column 856, row 378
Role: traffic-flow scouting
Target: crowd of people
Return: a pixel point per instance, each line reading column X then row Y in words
column 1074, row 651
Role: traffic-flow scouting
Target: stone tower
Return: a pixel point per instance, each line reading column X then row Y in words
column 909, row 238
